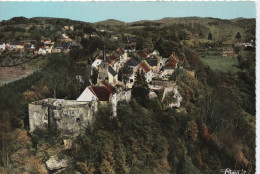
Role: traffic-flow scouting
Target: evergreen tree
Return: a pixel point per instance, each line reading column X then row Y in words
column 210, row 36
column 140, row 90
column 200, row 34
column 238, row 36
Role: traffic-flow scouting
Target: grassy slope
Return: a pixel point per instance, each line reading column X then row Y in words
column 111, row 22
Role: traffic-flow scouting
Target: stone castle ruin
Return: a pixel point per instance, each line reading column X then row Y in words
column 61, row 115
column 74, row 116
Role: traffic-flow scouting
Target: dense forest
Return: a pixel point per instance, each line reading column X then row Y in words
column 213, row 129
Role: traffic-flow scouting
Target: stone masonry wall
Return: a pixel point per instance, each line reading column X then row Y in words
column 69, row 116
column 61, row 115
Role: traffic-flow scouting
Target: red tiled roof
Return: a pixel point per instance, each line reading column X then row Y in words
column 142, row 54
column 40, row 45
column 111, row 59
column 108, row 86
column 172, row 62
column 120, row 50
column 178, row 59
column 101, row 92
column 146, row 51
column 145, row 67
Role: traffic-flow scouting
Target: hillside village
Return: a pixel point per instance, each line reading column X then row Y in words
column 113, row 85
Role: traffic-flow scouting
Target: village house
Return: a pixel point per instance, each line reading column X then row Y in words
column 106, row 72
column 133, row 64
column 101, row 92
column 131, row 39
column 154, row 64
column 46, row 41
column 171, row 64
column 94, row 35
column 123, row 55
column 57, row 50
column 144, row 66
column 49, row 48
column 61, row 47
column 97, row 62
column 156, row 53
column 112, row 75
column 115, row 59
column 39, row 49
column 129, row 49
column 244, row 44
column 28, row 47
column 114, row 38
column 86, row 36
column 65, row 38
column 228, row 52
column 15, row 45
column 2, row 46
column 69, row 27
column 66, row 27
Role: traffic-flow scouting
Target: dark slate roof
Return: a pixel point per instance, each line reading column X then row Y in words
column 128, row 47
column 131, row 62
column 15, row 43
column 120, row 50
column 111, row 71
column 152, row 62
column 27, row 46
column 65, row 45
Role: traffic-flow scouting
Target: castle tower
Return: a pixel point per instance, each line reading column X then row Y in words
column 103, row 68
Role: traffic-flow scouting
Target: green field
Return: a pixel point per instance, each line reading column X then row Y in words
column 219, row 63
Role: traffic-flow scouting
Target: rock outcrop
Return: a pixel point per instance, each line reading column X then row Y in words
column 56, row 165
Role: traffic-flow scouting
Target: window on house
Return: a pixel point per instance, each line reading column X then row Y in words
column 78, row 120
column 131, row 80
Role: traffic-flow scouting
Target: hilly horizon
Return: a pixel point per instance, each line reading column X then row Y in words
column 168, row 20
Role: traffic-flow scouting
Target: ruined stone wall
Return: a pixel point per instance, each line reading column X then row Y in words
column 124, row 96
column 61, row 115
column 69, row 116
column 38, row 116
column 164, row 83
column 73, row 118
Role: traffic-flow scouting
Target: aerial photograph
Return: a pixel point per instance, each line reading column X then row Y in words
column 128, row 87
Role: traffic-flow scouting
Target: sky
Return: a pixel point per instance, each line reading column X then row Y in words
column 126, row 11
